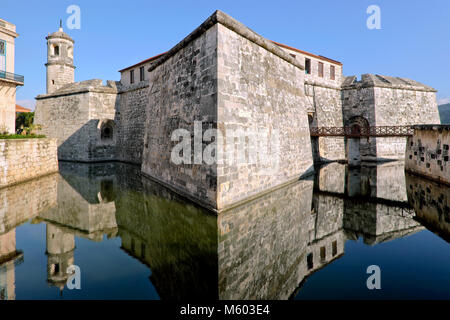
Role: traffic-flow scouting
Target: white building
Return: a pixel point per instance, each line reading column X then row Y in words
column 8, row 79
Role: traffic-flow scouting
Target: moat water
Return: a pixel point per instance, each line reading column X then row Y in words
column 314, row 239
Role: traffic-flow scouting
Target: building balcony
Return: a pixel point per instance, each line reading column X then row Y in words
column 12, row 77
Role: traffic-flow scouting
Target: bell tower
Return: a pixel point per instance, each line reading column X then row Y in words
column 60, row 68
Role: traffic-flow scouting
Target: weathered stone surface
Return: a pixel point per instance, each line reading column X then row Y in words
column 25, row 159
column 75, row 115
column 130, row 119
column 431, row 202
column 386, row 101
column 257, row 89
column 226, row 79
column 24, row 201
column 427, row 152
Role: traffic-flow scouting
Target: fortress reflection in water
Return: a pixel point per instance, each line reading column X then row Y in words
column 263, row 249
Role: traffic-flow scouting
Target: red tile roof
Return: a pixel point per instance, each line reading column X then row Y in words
column 308, row 53
column 22, row 109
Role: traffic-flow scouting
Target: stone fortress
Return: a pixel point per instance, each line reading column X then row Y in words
column 229, row 77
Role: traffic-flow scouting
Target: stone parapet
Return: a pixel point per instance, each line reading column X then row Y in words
column 25, row 159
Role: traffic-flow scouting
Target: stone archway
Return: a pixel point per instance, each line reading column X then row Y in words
column 107, row 131
column 357, row 146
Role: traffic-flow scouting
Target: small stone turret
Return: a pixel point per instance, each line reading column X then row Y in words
column 60, row 68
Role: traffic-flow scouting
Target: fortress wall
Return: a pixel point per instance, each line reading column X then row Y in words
column 74, row 118
column 25, row 159
column 26, row 200
column 398, row 107
column 182, row 90
column 427, row 152
column 327, row 103
column 130, row 122
column 387, row 101
column 64, row 118
column 431, row 203
column 259, row 90
column 230, row 78
column 358, row 104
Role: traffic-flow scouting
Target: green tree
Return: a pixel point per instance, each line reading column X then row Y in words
column 24, row 120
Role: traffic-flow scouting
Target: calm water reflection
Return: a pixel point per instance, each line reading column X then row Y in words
column 313, row 239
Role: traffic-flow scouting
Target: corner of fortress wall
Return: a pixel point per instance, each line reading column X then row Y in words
column 232, row 79
column 428, row 151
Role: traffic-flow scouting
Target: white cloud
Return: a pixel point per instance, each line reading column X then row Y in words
column 30, row 104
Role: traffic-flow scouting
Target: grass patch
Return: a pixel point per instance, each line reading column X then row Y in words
column 19, row 136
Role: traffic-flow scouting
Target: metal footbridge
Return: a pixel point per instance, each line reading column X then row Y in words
column 356, row 131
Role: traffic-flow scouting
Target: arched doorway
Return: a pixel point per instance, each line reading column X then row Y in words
column 356, row 146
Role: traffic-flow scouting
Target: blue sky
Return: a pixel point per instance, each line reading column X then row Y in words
column 413, row 41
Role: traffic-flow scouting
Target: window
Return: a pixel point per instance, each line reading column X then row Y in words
column 2, row 55
column 141, row 74
column 332, row 73
column 131, row 76
column 2, row 47
column 56, row 50
column 321, row 69
column 308, row 66
column 323, row 253
column 334, row 248
column 309, row 261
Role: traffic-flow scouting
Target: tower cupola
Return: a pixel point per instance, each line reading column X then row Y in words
column 60, row 68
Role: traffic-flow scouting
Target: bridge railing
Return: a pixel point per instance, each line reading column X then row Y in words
column 354, row 131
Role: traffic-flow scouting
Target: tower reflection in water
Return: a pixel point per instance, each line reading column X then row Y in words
column 263, row 249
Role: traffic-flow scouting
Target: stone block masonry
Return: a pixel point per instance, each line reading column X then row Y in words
column 24, row 201
column 229, row 78
column 378, row 100
column 77, row 115
column 25, row 159
column 130, row 119
column 427, row 152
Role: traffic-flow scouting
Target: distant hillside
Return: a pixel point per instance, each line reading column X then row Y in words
column 444, row 112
